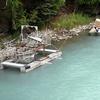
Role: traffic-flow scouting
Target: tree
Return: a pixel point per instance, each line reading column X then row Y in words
column 90, row 2
column 47, row 9
column 94, row 4
column 14, row 6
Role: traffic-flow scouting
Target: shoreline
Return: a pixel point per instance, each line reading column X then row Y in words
column 55, row 35
column 61, row 34
column 64, row 34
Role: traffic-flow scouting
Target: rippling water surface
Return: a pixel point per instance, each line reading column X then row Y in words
column 74, row 77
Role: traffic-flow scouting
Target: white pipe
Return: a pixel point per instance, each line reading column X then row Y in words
column 48, row 50
column 35, row 38
column 12, row 64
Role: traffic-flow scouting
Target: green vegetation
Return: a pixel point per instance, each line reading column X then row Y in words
column 90, row 2
column 45, row 10
column 70, row 21
column 39, row 12
column 42, row 12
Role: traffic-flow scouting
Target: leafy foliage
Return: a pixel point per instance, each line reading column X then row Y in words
column 40, row 12
column 48, row 9
column 90, row 2
column 14, row 7
column 43, row 11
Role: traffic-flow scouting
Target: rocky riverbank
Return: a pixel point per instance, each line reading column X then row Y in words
column 56, row 35
column 65, row 34
column 62, row 34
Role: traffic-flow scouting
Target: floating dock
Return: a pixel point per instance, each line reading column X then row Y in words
column 32, row 65
column 33, row 51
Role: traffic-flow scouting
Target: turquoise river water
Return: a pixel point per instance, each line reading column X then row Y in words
column 74, row 77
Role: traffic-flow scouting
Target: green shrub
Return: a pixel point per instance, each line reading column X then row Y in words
column 47, row 10
column 70, row 21
column 21, row 19
column 33, row 16
column 58, row 3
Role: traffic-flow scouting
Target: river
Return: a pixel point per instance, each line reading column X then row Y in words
column 74, row 77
